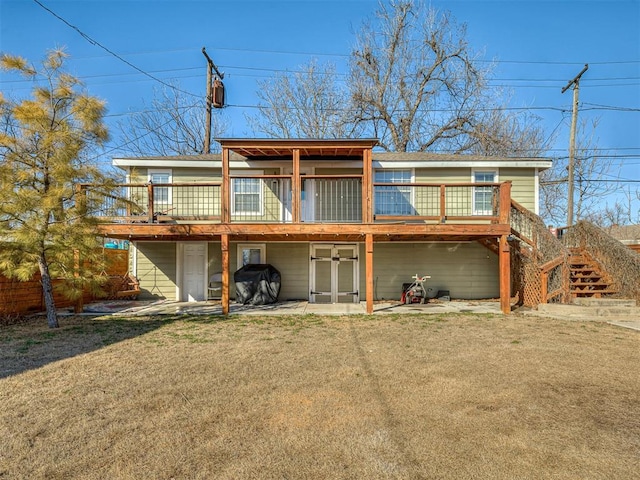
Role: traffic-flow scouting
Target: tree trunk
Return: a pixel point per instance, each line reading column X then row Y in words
column 47, row 290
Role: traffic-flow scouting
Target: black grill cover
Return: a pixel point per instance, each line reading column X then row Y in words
column 257, row 284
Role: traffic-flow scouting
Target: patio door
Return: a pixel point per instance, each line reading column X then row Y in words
column 334, row 274
column 307, row 212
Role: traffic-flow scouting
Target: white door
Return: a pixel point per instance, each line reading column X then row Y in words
column 194, row 268
column 334, row 274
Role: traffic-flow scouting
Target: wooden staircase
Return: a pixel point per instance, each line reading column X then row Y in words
column 587, row 278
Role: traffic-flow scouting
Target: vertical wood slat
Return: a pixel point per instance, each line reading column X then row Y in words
column 443, row 204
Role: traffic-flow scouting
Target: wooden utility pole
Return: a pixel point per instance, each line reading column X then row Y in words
column 210, row 68
column 572, row 141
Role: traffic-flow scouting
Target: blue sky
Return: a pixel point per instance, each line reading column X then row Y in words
column 538, row 46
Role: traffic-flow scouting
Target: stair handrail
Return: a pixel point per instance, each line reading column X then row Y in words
column 620, row 263
column 546, row 254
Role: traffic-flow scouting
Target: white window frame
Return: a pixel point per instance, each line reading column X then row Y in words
column 411, row 192
column 251, row 246
column 474, row 172
column 240, row 173
column 164, row 171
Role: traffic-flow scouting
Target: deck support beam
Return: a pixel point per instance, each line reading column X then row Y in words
column 369, row 272
column 505, row 274
column 224, row 246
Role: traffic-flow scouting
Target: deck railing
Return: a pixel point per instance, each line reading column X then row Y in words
column 436, row 202
column 323, row 199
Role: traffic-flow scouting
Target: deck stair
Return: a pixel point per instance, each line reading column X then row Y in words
column 588, row 280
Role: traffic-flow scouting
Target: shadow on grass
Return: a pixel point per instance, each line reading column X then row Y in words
column 31, row 344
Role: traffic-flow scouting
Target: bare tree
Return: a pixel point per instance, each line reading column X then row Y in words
column 417, row 85
column 593, row 181
column 304, row 104
column 174, row 124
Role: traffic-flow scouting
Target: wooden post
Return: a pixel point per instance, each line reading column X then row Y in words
column 544, row 287
column 369, row 272
column 505, row 202
column 296, row 188
column 224, row 247
column 225, row 188
column 150, row 202
column 505, row 274
column 367, row 186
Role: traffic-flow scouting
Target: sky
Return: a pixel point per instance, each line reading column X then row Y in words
column 536, row 47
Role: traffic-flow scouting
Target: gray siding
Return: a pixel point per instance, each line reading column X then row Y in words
column 467, row 270
column 156, row 269
column 292, row 260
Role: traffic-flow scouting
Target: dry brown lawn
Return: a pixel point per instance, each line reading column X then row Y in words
column 401, row 397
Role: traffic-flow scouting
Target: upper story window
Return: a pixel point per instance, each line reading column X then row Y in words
column 483, row 201
column 246, row 194
column 392, row 200
column 161, row 195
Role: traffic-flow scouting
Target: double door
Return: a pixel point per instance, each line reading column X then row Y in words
column 334, row 273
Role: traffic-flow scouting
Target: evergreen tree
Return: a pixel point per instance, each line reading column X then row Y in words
column 45, row 145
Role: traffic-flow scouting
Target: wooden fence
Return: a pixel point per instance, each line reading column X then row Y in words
column 19, row 298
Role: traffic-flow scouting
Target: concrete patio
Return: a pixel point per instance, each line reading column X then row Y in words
column 166, row 307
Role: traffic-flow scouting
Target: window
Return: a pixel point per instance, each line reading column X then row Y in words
column 246, row 195
column 161, row 195
column 483, row 203
column 393, row 200
column 251, row 253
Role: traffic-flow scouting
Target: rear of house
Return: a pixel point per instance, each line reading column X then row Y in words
column 310, row 208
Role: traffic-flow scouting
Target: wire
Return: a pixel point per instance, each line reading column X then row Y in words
column 98, row 44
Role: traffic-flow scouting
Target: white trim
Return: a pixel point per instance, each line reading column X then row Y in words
column 496, row 179
column 536, row 191
column 255, row 246
column 463, row 164
column 162, row 171
column 133, row 251
column 180, row 269
column 238, row 164
column 238, row 173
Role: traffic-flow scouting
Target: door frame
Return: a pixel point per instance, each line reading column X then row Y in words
column 334, row 270
column 180, row 282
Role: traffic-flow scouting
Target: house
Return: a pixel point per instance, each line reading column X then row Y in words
column 341, row 222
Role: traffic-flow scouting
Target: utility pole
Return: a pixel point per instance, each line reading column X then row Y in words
column 210, row 68
column 572, row 141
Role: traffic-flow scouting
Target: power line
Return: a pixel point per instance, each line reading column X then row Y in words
column 98, row 44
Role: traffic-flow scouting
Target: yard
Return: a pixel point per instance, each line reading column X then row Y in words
column 416, row 396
